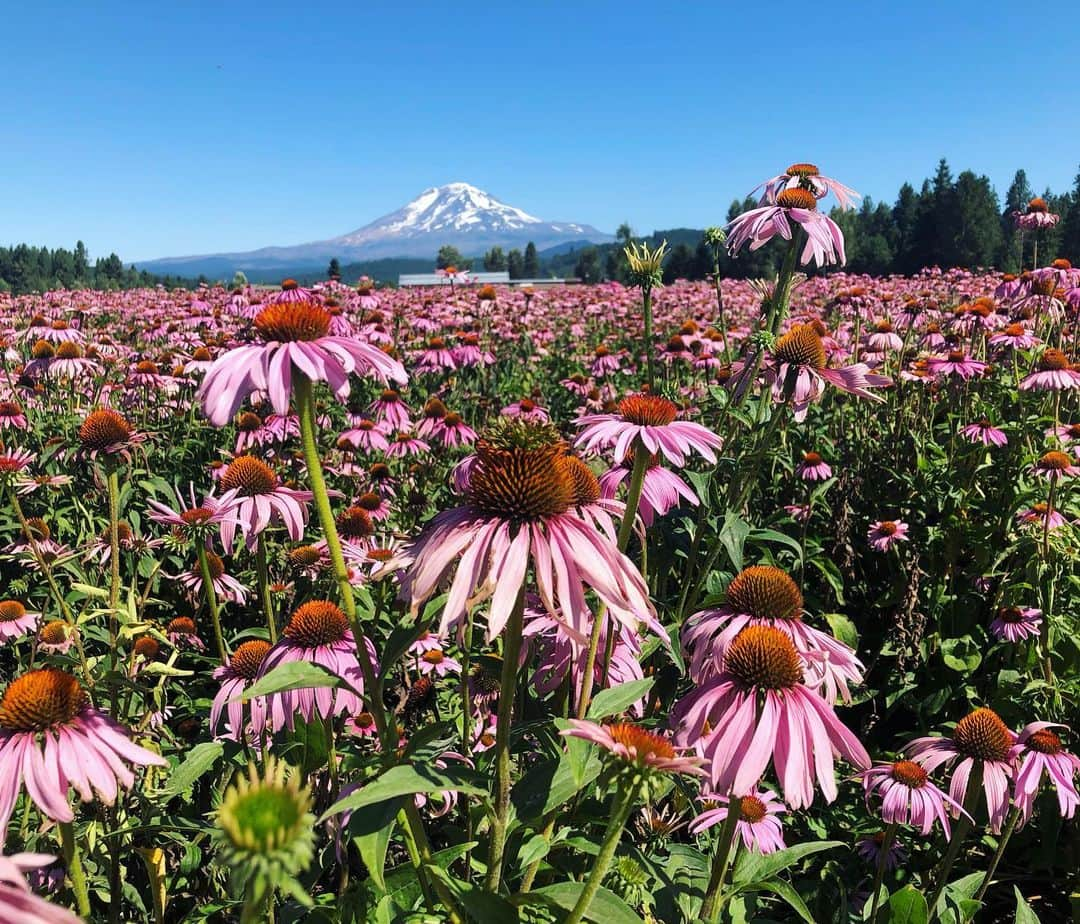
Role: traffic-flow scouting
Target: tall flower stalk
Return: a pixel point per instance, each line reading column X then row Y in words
column 646, row 272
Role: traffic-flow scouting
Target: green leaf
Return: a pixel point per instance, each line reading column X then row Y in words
column 295, row 675
column 1024, row 914
column 772, row 535
column 733, row 537
column 551, row 783
column 785, row 891
column 618, row 698
column 843, row 628
column 404, row 780
column 908, row 906
column 756, row 867
column 961, row 654
column 198, row 761
column 605, row 908
column 396, row 646
column 371, row 827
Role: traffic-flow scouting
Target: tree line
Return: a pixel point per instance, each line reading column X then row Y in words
column 24, row 268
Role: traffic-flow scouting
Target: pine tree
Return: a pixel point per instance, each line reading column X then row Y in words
column 1016, row 200
column 515, row 263
column 495, row 260
column 1069, row 247
column 532, row 262
column 976, row 225
column 587, row 268
column 333, row 271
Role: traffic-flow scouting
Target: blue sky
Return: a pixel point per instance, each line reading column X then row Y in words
column 167, row 129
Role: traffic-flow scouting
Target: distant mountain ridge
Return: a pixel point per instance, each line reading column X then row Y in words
column 457, row 214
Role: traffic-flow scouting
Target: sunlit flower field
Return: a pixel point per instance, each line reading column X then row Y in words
column 739, row 601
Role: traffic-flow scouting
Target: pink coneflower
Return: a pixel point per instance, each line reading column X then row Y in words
column 317, row 632
column 758, row 824
column 14, row 460
column 1042, row 515
column 984, row 432
column 1016, row 623
column 146, row 374
column 1055, row 465
column 757, row 711
column 869, row 848
column 11, row 415
column 455, row 432
column 980, row 737
column 390, row 410
column 604, row 362
column 907, row 796
column 52, row 740
column 294, row 334
column 1039, row 751
column 824, row 239
column 16, row 620
column 362, row 725
column 800, row 513
column 577, row 384
column 1015, row 336
column 431, row 417
column 957, row 363
column 884, row 338
column 523, row 495
column 66, row 362
column 661, row 490
column 105, row 433
column 194, row 520
column 813, row 468
column 633, row 744
column 436, row 356
column 250, row 432
column 1054, row 373
column 405, row 444
column 884, row 534
column 236, row 677
column 29, row 484
column 438, row 662
column 56, row 637
column 18, row 904
column 766, row 595
column 259, row 500
column 652, row 421
column 1067, row 433
column 526, row 409
column 1036, row 216
column 367, row 435
column 226, row 587
column 183, row 633
column 806, row 176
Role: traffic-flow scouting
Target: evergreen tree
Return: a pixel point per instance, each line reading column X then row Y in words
column 905, row 216
column 976, row 224
column 495, row 260
column 515, row 263
column 1016, row 200
column 587, row 268
column 532, row 262
column 449, row 256
column 1069, row 247
column 333, row 271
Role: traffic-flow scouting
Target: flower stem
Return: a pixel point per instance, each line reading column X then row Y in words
column 507, row 688
column 710, row 908
column 1003, row 841
column 264, row 588
column 620, row 813
column 646, row 314
column 211, row 599
column 73, row 861
column 960, row 833
column 879, row 875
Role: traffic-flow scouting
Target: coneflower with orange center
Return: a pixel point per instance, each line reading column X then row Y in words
column 1038, row 752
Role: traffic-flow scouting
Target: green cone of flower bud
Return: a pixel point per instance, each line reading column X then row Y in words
column 266, row 834
column 646, row 266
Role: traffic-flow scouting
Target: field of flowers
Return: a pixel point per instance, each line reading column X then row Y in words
column 712, row 601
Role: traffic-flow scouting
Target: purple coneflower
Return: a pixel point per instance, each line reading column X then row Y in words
column 1055, row 465
column 661, row 489
column 984, row 432
column 237, row 676
column 824, row 239
column 806, row 176
column 652, row 421
column 869, row 848
column 183, row 633
column 884, row 534
column 980, row 738
column 813, row 468
column 1015, row 623
column 758, row 824
column 259, row 499
column 633, row 744
column 1039, row 751
column 1053, row 374
column 16, row 620
column 907, row 796
column 957, row 363
column 18, row 904
column 53, row 740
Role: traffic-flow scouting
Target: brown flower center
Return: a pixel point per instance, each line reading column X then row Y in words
column 287, row 322
column 54, row 633
column 41, row 699
column 982, row 735
column 248, row 657
column 201, row 355
column 146, row 367
column 317, row 622
column 434, row 656
column 811, row 458
column 452, row 419
column 196, row 516
column 68, row 350
column 586, row 485
column 37, row 528
column 146, row 647
column 1044, row 741
column 215, row 565
column 642, row 744
column 42, row 350
column 802, row 170
column 521, row 483
column 797, row 198
column 1038, row 204
column 181, row 625
column 354, row 523
column 801, row 346
column 10, row 409
column 887, row 528
column 434, row 409
column 1055, row 461
column 102, row 429
column 11, row 610
column 248, row 422
column 1010, row 614
column 765, row 658
column 765, row 592
column 304, row 556
column 648, row 410
column 909, row 773
column 751, row 809
column 249, row 476
column 1052, row 360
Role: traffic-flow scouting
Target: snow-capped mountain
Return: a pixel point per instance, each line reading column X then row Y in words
column 457, row 214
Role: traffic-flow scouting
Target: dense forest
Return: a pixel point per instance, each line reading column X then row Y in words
column 949, row 221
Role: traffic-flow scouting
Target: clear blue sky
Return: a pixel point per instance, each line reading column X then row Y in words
column 160, row 129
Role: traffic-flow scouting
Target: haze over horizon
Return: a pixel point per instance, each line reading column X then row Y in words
column 204, row 130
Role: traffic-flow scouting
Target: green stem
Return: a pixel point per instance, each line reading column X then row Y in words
column 211, row 599
column 710, row 908
column 507, row 688
column 1003, row 841
column 73, row 861
column 305, row 409
column 646, row 313
column 264, row 588
column 879, row 875
column 626, row 529
column 960, row 833
column 620, row 813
